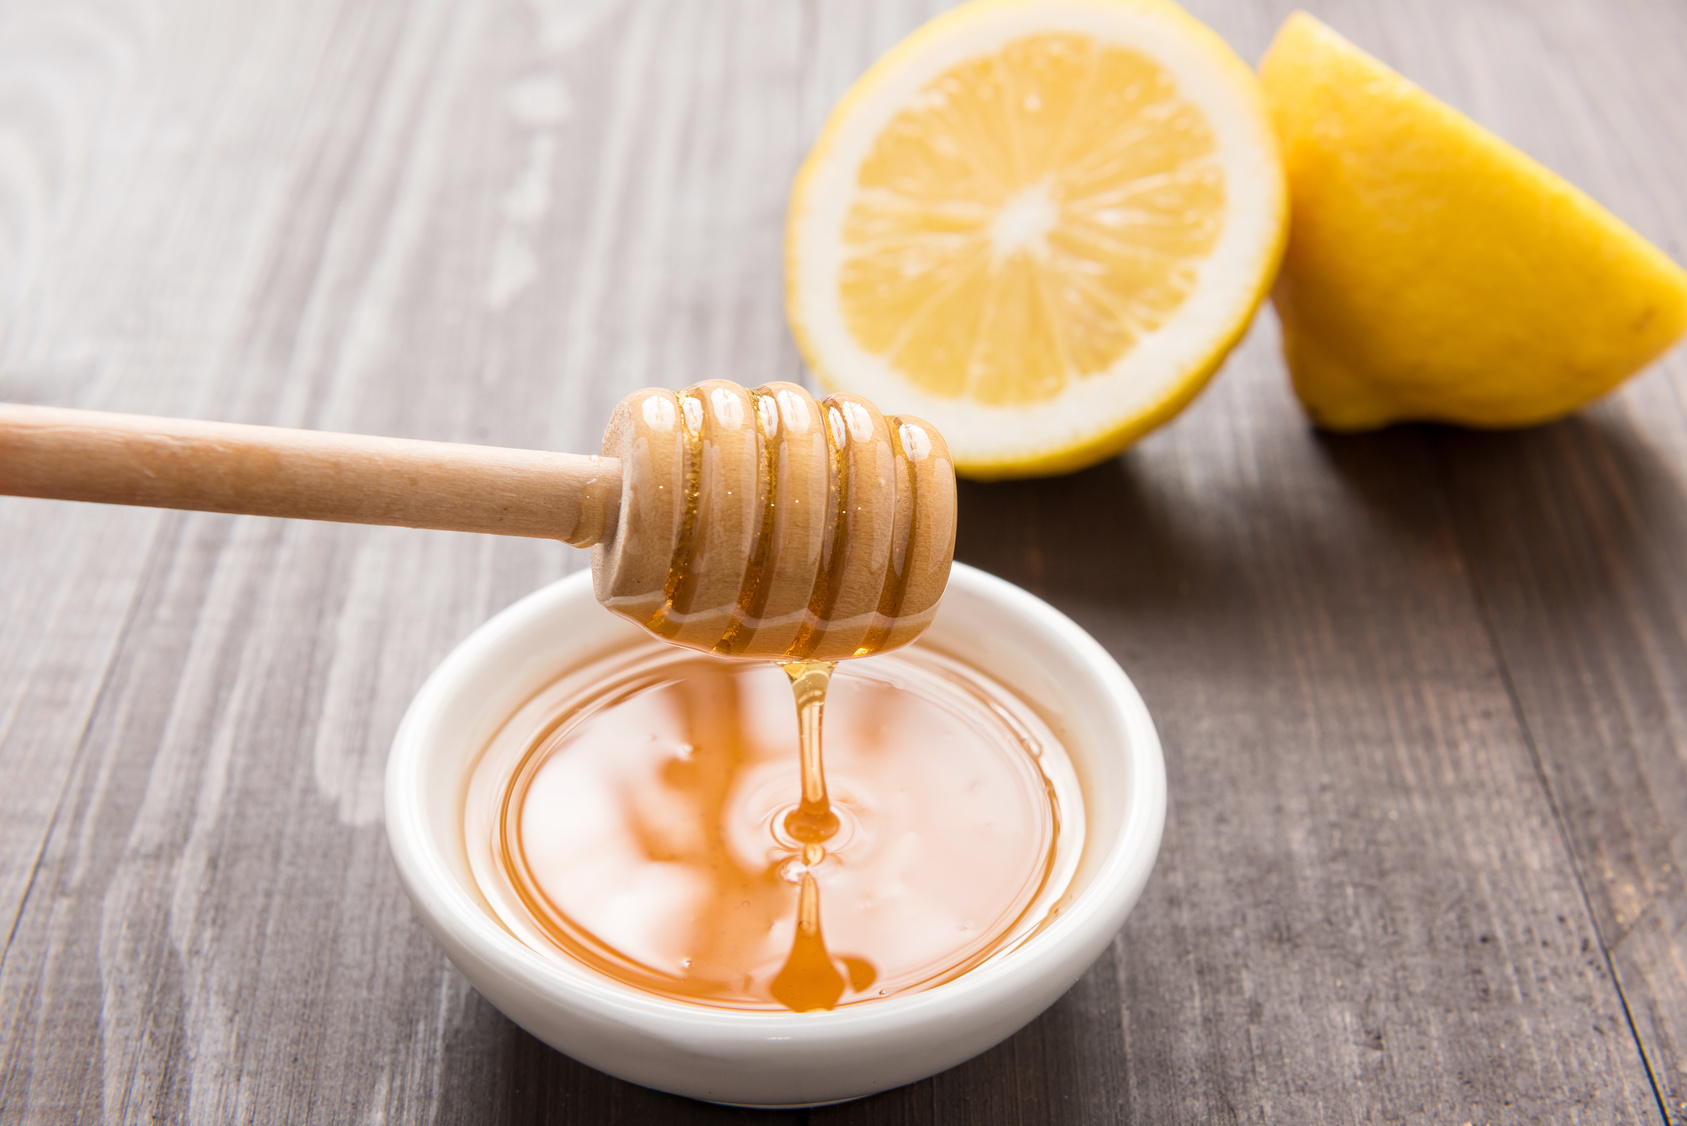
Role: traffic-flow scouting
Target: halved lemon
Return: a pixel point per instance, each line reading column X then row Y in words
column 1435, row 272
column 1040, row 224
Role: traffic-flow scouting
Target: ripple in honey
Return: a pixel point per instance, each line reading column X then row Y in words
column 636, row 818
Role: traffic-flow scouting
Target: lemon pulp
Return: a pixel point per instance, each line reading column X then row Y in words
column 1028, row 219
column 1039, row 225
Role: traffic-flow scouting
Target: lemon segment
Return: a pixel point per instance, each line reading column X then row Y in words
column 1038, row 225
column 1034, row 254
column 1436, row 273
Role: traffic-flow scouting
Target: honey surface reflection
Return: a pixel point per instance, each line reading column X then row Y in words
column 637, row 819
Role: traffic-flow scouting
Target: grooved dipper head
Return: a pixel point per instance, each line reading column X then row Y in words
column 762, row 524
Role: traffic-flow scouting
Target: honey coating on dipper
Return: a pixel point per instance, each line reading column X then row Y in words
column 762, row 524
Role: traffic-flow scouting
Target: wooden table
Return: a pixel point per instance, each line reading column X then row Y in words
column 1423, row 692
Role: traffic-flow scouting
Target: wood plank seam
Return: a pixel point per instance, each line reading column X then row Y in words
column 1503, row 666
column 70, row 774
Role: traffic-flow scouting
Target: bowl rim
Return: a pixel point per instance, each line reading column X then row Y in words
column 1086, row 925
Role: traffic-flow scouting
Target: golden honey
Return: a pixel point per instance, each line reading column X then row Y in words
column 647, row 818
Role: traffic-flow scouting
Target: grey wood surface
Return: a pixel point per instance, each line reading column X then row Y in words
column 1423, row 693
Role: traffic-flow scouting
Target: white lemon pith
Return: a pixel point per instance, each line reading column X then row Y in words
column 1038, row 225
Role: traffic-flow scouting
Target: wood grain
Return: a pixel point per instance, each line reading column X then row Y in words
column 101, row 457
column 1422, row 692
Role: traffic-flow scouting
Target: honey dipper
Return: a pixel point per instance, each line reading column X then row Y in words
column 746, row 523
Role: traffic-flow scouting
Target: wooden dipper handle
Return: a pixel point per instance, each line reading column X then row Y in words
column 756, row 524
column 307, row 474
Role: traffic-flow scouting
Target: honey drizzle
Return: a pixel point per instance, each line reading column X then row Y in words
column 810, row 980
column 828, row 580
column 681, row 586
column 753, row 595
column 901, row 547
column 812, row 822
column 843, row 451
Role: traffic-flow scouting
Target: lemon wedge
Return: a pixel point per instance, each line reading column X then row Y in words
column 1433, row 271
column 1040, row 224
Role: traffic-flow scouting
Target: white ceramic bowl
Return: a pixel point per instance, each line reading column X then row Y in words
column 759, row 1058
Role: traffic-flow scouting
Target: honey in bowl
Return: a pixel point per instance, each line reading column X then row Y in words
column 646, row 818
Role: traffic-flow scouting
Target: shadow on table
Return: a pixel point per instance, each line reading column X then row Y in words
column 1147, row 554
column 1567, row 504
column 1066, row 1066
column 1110, row 537
column 493, row 1073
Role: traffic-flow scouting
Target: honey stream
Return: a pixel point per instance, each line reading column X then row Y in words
column 809, row 980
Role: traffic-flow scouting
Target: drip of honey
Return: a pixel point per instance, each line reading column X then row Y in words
column 810, row 980
column 813, row 821
column 646, row 818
